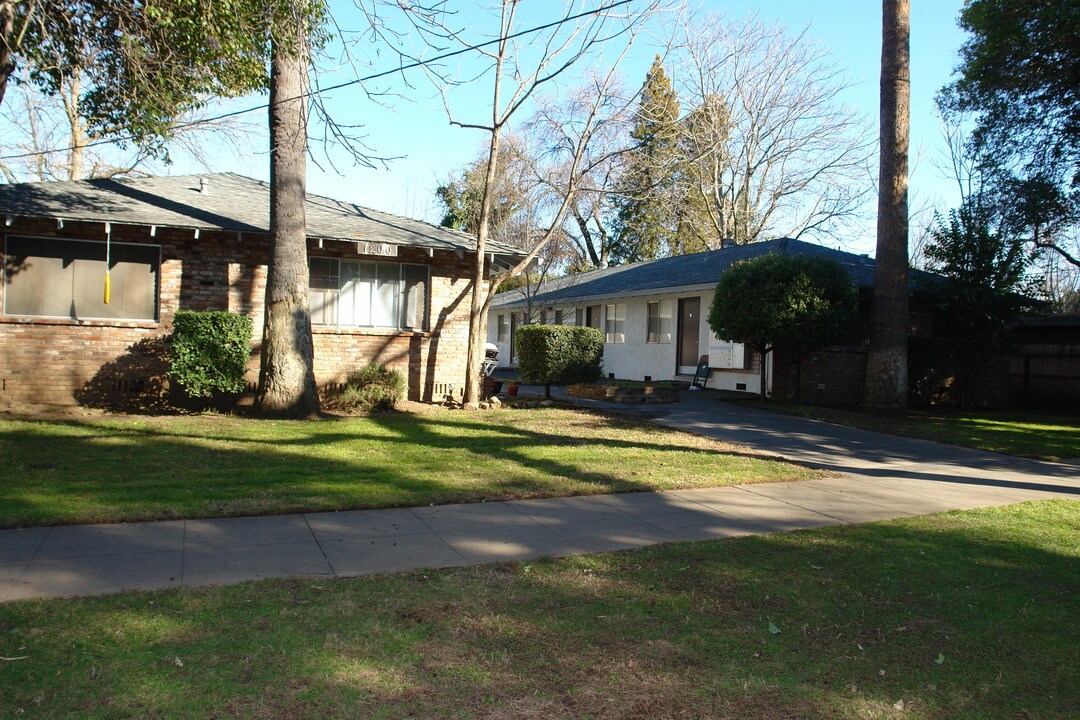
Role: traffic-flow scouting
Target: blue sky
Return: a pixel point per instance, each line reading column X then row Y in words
column 414, row 127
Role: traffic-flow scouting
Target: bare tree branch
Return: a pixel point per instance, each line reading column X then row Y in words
column 772, row 150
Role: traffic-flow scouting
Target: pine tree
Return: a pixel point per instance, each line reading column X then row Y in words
column 648, row 224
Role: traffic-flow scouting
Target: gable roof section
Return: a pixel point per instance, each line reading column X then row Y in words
column 684, row 272
column 233, row 202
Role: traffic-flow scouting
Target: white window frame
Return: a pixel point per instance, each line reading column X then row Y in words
column 399, row 309
column 615, row 323
column 502, row 332
column 657, row 331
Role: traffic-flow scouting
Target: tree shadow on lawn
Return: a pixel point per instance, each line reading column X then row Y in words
column 142, row 472
column 864, row 612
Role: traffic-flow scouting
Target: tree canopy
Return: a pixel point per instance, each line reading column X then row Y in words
column 142, row 65
column 1018, row 79
column 463, row 194
column 1018, row 71
column 984, row 289
column 796, row 303
column 648, row 199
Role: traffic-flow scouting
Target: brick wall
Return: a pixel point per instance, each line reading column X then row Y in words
column 831, row 376
column 121, row 364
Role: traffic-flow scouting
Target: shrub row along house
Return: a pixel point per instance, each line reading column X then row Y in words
column 384, row 289
column 654, row 319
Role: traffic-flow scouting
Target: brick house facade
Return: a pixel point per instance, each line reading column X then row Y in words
column 218, row 265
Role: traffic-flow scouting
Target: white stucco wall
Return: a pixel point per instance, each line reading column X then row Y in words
column 635, row 359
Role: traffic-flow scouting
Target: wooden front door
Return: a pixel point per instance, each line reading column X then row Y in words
column 689, row 346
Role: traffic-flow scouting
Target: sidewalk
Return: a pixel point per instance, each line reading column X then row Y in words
column 885, row 477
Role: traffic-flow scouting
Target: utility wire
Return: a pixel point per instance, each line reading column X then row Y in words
column 347, row 83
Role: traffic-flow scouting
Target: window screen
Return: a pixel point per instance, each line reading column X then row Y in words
column 66, row 278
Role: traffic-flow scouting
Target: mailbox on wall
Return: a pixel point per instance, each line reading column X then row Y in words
column 726, row 354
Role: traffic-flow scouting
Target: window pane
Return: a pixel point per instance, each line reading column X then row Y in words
column 347, row 293
column 322, row 304
column 558, row 316
column 664, row 324
column 40, row 286
column 620, row 323
column 414, row 296
column 134, row 284
column 364, row 293
column 503, row 329
column 384, row 301
column 323, row 290
column 88, row 291
column 652, row 324
column 592, row 316
column 323, row 274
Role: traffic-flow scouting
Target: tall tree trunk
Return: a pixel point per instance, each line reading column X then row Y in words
column 481, row 293
column 286, row 375
column 77, row 154
column 886, row 367
column 477, row 314
column 7, row 40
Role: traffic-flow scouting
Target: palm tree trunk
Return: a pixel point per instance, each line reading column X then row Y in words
column 886, row 367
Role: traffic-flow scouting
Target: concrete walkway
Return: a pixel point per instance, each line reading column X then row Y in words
column 883, row 477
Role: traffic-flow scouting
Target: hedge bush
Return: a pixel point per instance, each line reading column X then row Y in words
column 558, row 354
column 371, row 389
column 209, row 352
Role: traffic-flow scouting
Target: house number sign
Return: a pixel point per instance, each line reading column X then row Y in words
column 363, row 247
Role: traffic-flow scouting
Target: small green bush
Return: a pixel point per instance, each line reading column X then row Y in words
column 374, row 388
column 209, row 352
column 558, row 354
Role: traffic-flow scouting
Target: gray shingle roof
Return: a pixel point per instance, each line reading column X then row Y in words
column 233, row 202
column 684, row 271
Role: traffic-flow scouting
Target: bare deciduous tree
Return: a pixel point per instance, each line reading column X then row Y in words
column 518, row 68
column 590, row 240
column 772, row 149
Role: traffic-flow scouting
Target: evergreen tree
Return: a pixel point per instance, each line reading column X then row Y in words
column 984, row 289
column 647, row 224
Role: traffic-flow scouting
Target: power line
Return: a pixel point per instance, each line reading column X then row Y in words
column 347, row 83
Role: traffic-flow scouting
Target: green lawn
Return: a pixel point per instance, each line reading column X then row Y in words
column 92, row 470
column 1025, row 434
column 960, row 615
